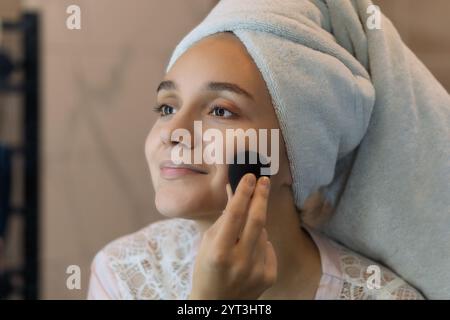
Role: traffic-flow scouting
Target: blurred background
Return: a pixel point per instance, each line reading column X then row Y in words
column 75, row 109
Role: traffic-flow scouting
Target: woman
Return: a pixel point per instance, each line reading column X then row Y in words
column 235, row 71
column 202, row 197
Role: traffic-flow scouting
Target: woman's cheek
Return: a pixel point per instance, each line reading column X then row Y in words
column 219, row 182
column 151, row 154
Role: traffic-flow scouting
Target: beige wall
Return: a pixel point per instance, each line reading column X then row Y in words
column 425, row 28
column 98, row 88
column 9, row 9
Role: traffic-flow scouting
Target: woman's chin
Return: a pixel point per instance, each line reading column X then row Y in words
column 173, row 208
column 188, row 203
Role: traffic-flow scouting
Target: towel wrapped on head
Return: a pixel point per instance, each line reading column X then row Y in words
column 363, row 121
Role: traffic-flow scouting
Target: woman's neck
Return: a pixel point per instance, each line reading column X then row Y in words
column 299, row 265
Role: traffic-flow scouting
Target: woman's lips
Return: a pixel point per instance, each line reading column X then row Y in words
column 169, row 170
column 172, row 173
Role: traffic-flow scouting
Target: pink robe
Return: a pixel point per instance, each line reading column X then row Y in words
column 157, row 261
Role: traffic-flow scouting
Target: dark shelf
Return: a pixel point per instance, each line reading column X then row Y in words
column 6, row 88
column 29, row 89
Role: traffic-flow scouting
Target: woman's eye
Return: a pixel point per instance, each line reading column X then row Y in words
column 217, row 111
column 164, row 110
column 221, row 112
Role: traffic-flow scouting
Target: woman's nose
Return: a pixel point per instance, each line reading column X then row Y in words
column 179, row 129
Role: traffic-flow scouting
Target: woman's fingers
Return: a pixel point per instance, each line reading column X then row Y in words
column 259, row 252
column 235, row 213
column 224, row 267
column 257, row 213
column 218, row 222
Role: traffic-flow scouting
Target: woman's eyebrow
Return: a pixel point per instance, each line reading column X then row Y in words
column 210, row 86
column 167, row 85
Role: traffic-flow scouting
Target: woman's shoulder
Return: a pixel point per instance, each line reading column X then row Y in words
column 361, row 277
column 145, row 262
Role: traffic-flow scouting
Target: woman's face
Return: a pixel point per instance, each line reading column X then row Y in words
column 220, row 58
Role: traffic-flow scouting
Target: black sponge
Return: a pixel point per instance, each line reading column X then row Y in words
column 237, row 170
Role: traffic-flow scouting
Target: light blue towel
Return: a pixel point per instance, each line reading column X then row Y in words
column 362, row 119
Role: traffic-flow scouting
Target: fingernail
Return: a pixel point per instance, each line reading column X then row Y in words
column 265, row 181
column 251, row 180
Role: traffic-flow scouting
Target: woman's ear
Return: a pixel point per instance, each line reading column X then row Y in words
column 285, row 168
column 316, row 210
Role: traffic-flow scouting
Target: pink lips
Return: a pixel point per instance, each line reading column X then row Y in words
column 169, row 170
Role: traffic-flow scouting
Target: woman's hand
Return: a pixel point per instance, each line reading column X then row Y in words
column 231, row 264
